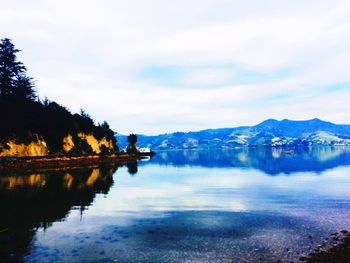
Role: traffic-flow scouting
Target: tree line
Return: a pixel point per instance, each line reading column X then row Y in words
column 24, row 115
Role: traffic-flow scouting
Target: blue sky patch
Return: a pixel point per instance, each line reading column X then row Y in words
column 177, row 76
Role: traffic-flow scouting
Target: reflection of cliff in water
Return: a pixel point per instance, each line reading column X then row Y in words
column 269, row 160
column 28, row 202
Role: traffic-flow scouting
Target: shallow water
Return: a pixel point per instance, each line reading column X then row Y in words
column 256, row 205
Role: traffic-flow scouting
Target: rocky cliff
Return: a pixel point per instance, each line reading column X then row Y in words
column 81, row 143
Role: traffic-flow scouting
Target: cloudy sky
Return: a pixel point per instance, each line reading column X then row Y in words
column 159, row 66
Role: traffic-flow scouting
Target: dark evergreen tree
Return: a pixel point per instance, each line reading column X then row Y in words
column 10, row 68
column 105, row 125
column 132, row 139
column 24, row 88
column 132, row 148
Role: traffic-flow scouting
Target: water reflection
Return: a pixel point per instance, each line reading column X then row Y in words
column 33, row 201
column 200, row 206
column 272, row 161
column 132, row 167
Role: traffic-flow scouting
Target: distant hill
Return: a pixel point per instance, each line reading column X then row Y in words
column 269, row 133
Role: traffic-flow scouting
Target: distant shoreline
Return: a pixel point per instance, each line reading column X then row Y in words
column 43, row 163
column 294, row 147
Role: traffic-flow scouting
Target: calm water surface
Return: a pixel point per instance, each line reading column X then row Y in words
column 256, row 205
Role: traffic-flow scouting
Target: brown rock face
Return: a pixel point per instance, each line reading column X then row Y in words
column 34, row 148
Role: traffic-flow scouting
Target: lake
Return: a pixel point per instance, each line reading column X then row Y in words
column 241, row 205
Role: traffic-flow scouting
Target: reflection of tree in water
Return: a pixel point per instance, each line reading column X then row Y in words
column 132, row 167
column 32, row 201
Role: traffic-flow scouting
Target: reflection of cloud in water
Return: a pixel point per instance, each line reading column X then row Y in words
column 159, row 188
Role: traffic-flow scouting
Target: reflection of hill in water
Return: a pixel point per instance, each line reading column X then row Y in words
column 31, row 201
column 269, row 160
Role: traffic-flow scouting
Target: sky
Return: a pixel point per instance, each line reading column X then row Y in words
column 160, row 66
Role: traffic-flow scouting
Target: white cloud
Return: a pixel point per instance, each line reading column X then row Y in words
column 87, row 54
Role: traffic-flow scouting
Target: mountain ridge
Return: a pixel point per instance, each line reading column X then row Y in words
column 269, row 133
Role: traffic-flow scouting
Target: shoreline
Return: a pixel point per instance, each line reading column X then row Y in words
column 334, row 249
column 43, row 163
